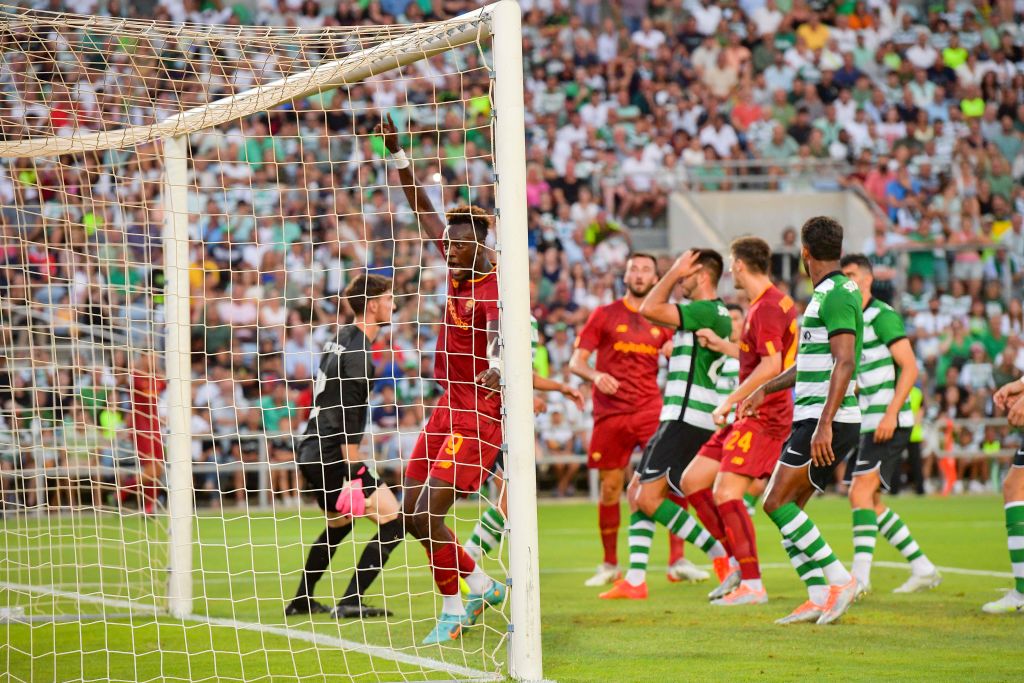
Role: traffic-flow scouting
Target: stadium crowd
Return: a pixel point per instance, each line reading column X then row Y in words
column 920, row 106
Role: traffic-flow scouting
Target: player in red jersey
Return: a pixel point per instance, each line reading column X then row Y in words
column 748, row 449
column 149, row 445
column 627, row 403
column 457, row 449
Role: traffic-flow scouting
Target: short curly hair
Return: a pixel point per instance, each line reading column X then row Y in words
column 473, row 216
column 823, row 237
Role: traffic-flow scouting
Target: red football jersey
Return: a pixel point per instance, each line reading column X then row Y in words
column 462, row 344
column 145, row 394
column 771, row 327
column 627, row 347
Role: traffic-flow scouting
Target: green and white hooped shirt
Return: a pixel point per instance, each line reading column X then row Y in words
column 726, row 373
column 835, row 308
column 877, row 373
column 690, row 385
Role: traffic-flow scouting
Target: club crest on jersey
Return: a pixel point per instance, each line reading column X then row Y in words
column 469, row 304
column 622, row 328
column 654, row 332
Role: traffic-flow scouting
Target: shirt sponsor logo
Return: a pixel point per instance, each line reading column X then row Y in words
column 456, row 319
column 633, row 347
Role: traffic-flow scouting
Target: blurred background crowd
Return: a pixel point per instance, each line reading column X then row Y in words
column 918, row 106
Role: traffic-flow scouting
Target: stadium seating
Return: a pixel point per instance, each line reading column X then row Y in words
column 918, row 105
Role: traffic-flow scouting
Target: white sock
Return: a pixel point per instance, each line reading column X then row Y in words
column 861, row 567
column 635, row 577
column 716, row 551
column 818, row 595
column 477, row 581
column 452, row 604
column 753, row 584
column 734, row 564
column 836, row 574
column 922, row 566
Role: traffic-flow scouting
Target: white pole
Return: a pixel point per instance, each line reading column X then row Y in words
column 525, row 662
column 179, row 382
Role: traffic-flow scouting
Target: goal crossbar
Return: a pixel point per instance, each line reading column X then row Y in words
column 423, row 43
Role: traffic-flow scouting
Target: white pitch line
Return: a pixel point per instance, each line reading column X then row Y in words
column 295, row 634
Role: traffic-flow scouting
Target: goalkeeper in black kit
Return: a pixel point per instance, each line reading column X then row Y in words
column 329, row 458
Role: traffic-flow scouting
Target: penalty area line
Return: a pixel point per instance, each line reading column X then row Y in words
column 464, row 672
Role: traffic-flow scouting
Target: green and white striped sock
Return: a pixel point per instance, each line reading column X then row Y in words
column 641, row 534
column 798, row 527
column 865, row 533
column 898, row 535
column 808, row 571
column 682, row 524
column 1015, row 541
column 488, row 531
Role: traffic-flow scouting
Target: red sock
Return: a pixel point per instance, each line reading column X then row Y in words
column 740, row 530
column 676, row 545
column 707, row 512
column 464, row 562
column 444, row 565
column 608, row 518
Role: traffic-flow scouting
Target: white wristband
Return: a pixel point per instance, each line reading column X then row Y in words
column 495, row 364
column 401, row 160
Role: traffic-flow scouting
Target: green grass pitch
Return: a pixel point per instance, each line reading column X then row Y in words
column 674, row 635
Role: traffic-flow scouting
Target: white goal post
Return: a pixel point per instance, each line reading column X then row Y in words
column 500, row 22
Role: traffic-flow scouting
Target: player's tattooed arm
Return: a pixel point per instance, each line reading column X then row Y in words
column 656, row 306
column 429, row 219
column 491, row 377
column 785, row 380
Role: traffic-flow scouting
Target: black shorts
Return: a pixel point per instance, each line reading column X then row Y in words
column 797, row 451
column 884, row 457
column 1018, row 458
column 323, row 481
column 670, row 451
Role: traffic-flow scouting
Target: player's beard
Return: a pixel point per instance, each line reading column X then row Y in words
column 639, row 293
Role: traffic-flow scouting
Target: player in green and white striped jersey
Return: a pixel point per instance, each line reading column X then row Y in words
column 826, row 421
column 490, row 528
column 886, row 375
column 686, row 422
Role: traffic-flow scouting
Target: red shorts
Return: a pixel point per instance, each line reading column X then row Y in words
column 745, row 447
column 458, row 447
column 615, row 437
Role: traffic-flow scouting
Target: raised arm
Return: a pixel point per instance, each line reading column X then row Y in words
column 656, row 306
column 429, row 219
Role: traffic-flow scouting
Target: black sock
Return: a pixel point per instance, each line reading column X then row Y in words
column 375, row 556
column 319, row 558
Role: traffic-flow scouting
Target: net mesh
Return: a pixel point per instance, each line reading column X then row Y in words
column 289, row 198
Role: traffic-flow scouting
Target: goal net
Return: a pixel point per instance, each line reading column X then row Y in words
column 182, row 206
